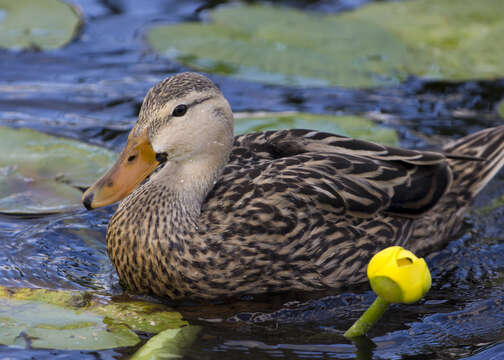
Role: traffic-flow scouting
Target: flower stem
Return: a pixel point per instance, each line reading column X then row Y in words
column 367, row 320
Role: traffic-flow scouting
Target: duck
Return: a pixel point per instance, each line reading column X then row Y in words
column 205, row 214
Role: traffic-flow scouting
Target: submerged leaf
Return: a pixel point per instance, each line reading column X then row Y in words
column 353, row 126
column 379, row 44
column 40, row 173
column 141, row 316
column 42, row 24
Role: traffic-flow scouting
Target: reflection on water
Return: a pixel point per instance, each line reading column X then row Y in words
column 92, row 90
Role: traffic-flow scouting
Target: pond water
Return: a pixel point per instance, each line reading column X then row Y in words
column 91, row 91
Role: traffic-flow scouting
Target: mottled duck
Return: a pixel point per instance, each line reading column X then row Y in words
column 205, row 214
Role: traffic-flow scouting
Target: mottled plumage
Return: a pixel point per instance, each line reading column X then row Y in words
column 282, row 210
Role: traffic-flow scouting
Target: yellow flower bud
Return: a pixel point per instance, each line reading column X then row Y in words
column 398, row 276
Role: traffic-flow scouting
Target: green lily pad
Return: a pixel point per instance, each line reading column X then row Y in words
column 141, row 316
column 57, row 298
column 44, row 24
column 51, row 327
column 379, row 44
column 353, row 126
column 500, row 109
column 265, row 43
column 448, row 39
column 40, row 173
column 169, row 344
column 77, row 321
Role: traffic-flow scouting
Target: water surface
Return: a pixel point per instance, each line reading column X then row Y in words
column 91, row 91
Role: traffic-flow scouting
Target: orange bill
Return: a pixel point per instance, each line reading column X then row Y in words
column 135, row 163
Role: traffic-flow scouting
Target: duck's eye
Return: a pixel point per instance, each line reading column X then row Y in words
column 179, row 110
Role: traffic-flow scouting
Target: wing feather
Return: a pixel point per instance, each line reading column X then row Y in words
column 344, row 175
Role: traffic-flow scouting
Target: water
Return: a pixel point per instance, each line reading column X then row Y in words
column 92, row 89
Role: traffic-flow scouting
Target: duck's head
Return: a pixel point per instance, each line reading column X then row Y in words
column 184, row 134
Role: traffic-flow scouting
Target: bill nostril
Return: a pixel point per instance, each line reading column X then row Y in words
column 87, row 200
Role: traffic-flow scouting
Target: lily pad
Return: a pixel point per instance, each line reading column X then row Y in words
column 76, row 321
column 51, row 327
column 500, row 109
column 353, row 126
column 264, row 43
column 141, row 316
column 40, row 173
column 44, row 24
column 448, row 39
column 379, row 44
column 169, row 344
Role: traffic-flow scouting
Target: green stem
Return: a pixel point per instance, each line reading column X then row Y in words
column 367, row 320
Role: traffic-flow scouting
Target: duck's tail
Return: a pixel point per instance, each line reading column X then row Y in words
column 475, row 159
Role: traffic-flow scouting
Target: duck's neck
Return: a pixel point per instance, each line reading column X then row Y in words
column 185, row 186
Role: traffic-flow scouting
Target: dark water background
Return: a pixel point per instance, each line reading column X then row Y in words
column 91, row 91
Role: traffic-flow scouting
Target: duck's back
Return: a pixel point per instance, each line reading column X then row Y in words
column 299, row 209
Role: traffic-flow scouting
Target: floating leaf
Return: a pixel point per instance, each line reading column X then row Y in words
column 141, row 316
column 448, row 39
column 40, row 173
column 51, row 327
column 42, row 24
column 76, row 321
column 265, row 43
column 169, row 344
column 500, row 109
column 379, row 44
column 57, row 298
column 353, row 126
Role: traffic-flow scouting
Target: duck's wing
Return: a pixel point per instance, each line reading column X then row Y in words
column 342, row 175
